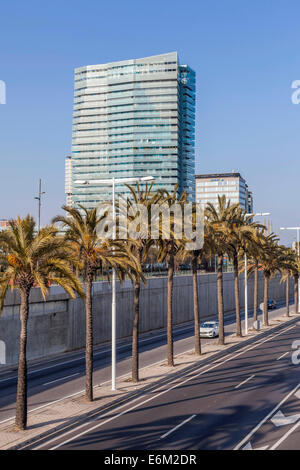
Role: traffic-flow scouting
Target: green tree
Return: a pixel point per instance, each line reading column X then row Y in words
column 141, row 247
column 197, row 256
column 287, row 268
column 32, row 260
column 295, row 273
column 271, row 258
column 217, row 220
column 253, row 251
column 81, row 231
column 170, row 246
column 240, row 232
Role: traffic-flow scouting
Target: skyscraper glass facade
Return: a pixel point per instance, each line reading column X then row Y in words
column 133, row 118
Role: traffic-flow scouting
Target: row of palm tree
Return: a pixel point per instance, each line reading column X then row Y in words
column 29, row 259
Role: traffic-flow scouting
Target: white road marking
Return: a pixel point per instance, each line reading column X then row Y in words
column 142, row 368
column 283, row 355
column 98, row 353
column 231, row 356
column 126, row 375
column 280, row 420
column 249, row 447
column 298, row 394
column 104, row 352
column 44, row 406
column 245, row 381
column 276, row 408
column 95, row 386
column 285, row 436
column 61, row 378
column 103, row 383
column 177, row 427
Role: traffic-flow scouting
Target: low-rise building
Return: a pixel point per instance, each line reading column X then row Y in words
column 208, row 187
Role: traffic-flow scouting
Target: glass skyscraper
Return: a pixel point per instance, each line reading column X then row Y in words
column 132, row 118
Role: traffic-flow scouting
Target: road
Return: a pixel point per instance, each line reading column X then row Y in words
column 64, row 376
column 247, row 399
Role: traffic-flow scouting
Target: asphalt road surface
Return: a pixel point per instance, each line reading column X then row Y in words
column 247, row 399
column 64, row 376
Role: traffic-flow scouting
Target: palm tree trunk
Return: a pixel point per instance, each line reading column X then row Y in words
column 196, row 304
column 135, row 328
column 21, row 401
column 255, row 300
column 237, row 296
column 296, row 293
column 220, row 300
column 287, row 295
column 266, row 295
column 170, row 310
column 135, row 332
column 89, row 338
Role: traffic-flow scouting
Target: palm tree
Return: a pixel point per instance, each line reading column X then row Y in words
column 169, row 248
column 287, row 268
column 217, row 219
column 296, row 293
column 195, row 259
column 271, row 257
column 197, row 256
column 32, row 260
column 253, row 253
column 287, row 294
column 81, row 224
column 295, row 273
column 143, row 243
column 254, row 248
column 240, row 232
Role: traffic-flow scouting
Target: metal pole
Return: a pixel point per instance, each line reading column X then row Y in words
column 112, row 182
column 298, row 262
column 113, row 305
column 246, row 297
column 39, row 199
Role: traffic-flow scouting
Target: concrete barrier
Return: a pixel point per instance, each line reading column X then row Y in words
column 58, row 325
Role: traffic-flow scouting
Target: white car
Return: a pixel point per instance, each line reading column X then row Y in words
column 210, row 329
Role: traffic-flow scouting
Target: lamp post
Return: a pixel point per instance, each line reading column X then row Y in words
column 39, row 198
column 297, row 249
column 246, row 280
column 112, row 182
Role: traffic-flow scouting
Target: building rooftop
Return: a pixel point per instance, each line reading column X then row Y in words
column 220, row 175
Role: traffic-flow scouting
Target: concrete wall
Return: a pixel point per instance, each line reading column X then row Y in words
column 58, row 325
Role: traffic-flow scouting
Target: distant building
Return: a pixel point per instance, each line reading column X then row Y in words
column 250, row 202
column 68, row 181
column 132, row 118
column 232, row 185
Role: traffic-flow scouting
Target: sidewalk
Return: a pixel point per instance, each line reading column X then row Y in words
column 71, row 410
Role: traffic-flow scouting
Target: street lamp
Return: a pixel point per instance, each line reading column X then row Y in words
column 246, row 280
column 39, row 198
column 295, row 228
column 112, row 182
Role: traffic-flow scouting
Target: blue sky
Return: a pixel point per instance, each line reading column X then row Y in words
column 245, row 54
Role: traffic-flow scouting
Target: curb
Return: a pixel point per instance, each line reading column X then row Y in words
column 148, row 388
